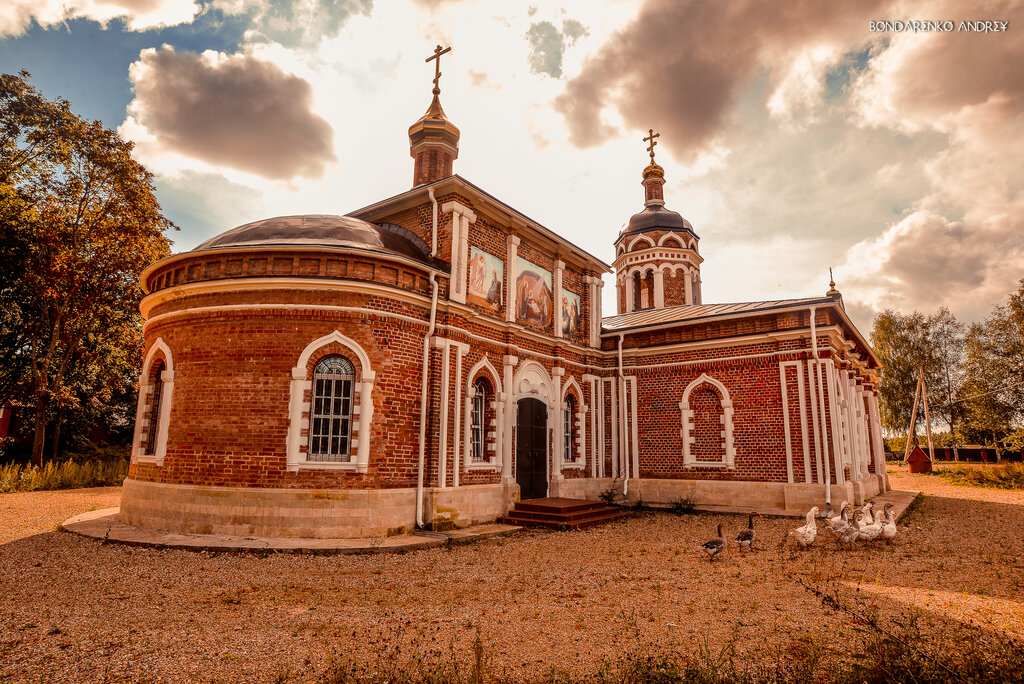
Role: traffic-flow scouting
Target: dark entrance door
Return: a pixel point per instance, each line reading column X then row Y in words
column 532, row 449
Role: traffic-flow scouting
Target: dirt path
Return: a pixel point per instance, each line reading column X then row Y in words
column 73, row 609
column 23, row 514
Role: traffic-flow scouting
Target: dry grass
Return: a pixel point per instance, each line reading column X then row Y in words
column 73, row 609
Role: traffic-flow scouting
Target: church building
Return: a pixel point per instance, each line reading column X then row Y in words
column 434, row 357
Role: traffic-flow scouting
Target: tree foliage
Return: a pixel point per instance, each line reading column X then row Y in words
column 78, row 222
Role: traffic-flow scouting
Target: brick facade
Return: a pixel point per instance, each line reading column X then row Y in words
column 730, row 403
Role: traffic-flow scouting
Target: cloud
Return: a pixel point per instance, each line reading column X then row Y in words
column 138, row 15
column 680, row 64
column 548, row 45
column 295, row 23
column 230, row 110
column 204, row 205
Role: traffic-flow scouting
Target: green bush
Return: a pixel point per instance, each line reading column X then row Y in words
column 15, row 477
column 684, row 505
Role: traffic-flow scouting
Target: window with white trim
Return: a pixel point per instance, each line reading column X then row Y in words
column 482, row 397
column 157, row 386
column 330, row 417
column 569, row 423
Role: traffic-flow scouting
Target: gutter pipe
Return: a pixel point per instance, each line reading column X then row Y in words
column 426, row 363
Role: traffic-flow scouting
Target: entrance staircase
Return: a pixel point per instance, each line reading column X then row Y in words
column 561, row 514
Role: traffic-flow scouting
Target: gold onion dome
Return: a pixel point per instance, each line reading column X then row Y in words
column 434, row 126
column 653, row 171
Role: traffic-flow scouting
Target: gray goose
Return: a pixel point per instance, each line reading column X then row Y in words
column 746, row 537
column 714, row 546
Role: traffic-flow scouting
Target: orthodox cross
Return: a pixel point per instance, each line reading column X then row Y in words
column 651, row 137
column 437, row 65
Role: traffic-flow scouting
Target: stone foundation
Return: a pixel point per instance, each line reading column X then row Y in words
column 305, row 513
column 759, row 495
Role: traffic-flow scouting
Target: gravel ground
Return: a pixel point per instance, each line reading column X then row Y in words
column 73, row 609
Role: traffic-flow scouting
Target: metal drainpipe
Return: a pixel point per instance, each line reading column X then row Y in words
column 821, row 398
column 426, row 364
column 622, row 427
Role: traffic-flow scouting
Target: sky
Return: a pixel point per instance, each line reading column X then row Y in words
column 795, row 136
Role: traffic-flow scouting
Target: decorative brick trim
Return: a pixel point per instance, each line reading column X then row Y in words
column 728, row 447
column 159, row 351
column 298, row 407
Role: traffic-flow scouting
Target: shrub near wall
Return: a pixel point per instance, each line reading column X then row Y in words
column 15, row 477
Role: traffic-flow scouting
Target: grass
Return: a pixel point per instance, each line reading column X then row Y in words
column 1006, row 476
column 895, row 650
column 15, row 477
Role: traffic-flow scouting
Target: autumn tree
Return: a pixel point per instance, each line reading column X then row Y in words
column 79, row 221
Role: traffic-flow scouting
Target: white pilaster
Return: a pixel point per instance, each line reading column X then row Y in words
column 629, row 294
column 659, row 289
column 510, row 407
column 462, row 216
column 510, row 281
column 558, row 453
column 556, row 284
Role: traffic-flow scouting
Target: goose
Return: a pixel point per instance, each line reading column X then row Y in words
column 714, row 546
column 889, row 526
column 806, row 535
column 868, row 509
column 835, row 518
column 882, row 515
column 852, row 532
column 746, row 537
column 839, row 524
column 870, row 532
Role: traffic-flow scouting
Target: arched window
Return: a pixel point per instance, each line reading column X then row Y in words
column 637, row 292
column 330, row 424
column 569, row 423
column 157, row 383
column 482, row 396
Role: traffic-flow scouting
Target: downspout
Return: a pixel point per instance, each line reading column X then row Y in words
column 426, row 363
column 623, row 412
column 821, row 402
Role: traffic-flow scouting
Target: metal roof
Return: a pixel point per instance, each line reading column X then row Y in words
column 323, row 230
column 688, row 313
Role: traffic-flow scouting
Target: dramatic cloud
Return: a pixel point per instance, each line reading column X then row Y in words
column 548, row 45
column 138, row 15
column 679, row 64
column 295, row 23
column 230, row 110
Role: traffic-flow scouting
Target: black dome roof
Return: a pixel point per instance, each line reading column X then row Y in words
column 656, row 217
column 323, row 230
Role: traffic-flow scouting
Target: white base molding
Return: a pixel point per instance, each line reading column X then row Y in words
column 782, row 496
column 305, row 513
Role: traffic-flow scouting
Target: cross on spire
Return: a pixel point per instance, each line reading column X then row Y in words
column 437, row 66
column 651, row 137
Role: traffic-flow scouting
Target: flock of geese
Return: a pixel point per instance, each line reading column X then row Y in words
column 848, row 527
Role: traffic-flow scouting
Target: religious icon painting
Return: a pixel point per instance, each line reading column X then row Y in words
column 486, row 275
column 570, row 314
column 534, row 303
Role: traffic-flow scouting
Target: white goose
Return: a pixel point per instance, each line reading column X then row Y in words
column 889, row 527
column 838, row 525
column 835, row 518
column 882, row 515
column 806, row 535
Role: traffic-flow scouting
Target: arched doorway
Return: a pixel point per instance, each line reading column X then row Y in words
column 532, row 449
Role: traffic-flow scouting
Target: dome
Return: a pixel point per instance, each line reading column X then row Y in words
column 656, row 217
column 323, row 230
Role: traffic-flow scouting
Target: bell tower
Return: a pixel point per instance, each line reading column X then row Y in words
column 657, row 263
column 433, row 140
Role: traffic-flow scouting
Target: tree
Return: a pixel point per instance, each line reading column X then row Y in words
column 945, row 376
column 902, row 344
column 80, row 221
column 994, row 368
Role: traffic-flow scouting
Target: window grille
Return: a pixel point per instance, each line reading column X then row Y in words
column 330, row 419
column 481, row 400
column 156, row 373
column 568, row 413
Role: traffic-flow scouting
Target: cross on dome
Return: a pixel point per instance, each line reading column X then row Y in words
column 651, row 137
column 437, row 65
